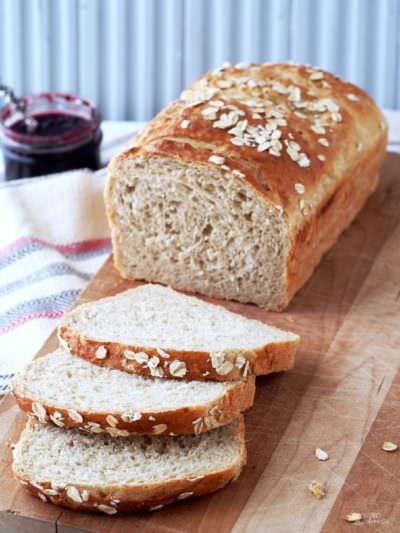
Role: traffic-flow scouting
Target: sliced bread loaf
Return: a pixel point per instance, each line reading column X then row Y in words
column 100, row 473
column 155, row 331
column 238, row 188
column 71, row 392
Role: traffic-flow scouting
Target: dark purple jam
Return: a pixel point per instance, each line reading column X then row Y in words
column 66, row 136
column 53, row 123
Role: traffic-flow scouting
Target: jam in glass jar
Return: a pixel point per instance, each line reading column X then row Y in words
column 62, row 133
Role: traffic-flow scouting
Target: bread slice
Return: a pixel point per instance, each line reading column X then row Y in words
column 100, row 473
column 71, row 392
column 155, row 331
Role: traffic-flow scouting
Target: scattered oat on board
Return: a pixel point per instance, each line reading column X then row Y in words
column 321, row 455
column 353, row 517
column 388, row 446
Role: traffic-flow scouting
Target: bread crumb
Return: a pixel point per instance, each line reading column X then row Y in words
column 317, row 489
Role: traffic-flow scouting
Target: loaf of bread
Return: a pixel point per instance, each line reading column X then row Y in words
column 67, row 391
column 237, row 189
column 98, row 473
column 155, row 331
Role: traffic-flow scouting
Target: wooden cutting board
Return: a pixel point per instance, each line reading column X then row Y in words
column 343, row 396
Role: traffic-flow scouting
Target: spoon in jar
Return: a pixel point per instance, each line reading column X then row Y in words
column 9, row 96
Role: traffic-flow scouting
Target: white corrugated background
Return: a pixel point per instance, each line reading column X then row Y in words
column 133, row 56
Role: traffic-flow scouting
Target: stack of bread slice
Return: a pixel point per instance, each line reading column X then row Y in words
column 141, row 404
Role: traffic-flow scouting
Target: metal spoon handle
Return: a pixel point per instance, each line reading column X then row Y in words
column 9, row 96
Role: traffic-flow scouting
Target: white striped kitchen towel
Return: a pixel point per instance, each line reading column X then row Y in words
column 53, row 237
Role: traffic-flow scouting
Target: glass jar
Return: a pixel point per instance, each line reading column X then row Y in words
column 65, row 135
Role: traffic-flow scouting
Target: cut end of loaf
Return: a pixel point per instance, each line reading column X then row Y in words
column 213, row 234
column 121, row 475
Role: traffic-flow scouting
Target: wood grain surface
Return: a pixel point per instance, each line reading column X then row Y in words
column 343, row 396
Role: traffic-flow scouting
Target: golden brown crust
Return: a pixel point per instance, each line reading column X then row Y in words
column 131, row 500
column 360, row 121
column 347, row 138
column 319, row 232
column 273, row 357
column 190, row 420
column 125, row 499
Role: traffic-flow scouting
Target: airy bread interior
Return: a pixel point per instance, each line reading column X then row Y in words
column 158, row 317
column 50, row 454
column 212, row 234
column 63, row 380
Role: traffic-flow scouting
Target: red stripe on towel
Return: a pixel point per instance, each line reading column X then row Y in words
column 70, row 248
column 31, row 316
